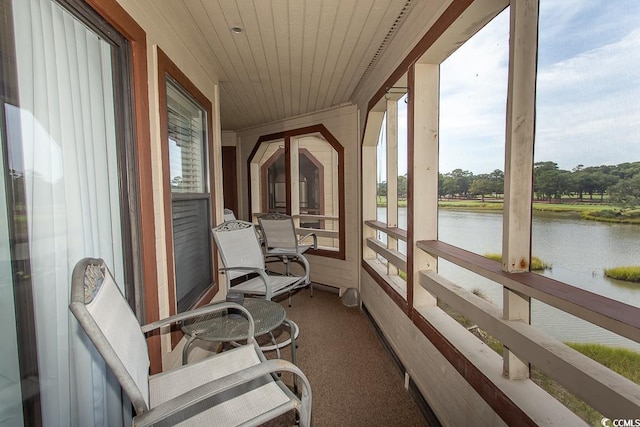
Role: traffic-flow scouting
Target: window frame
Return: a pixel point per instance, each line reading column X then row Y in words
column 335, row 144
column 166, row 67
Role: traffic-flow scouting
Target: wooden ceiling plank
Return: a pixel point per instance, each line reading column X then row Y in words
column 224, row 15
column 252, row 52
column 296, row 34
column 309, row 39
column 281, row 26
column 332, row 67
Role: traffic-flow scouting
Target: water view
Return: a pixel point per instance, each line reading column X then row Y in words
column 578, row 251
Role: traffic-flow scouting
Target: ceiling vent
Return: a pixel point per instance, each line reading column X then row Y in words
column 387, row 39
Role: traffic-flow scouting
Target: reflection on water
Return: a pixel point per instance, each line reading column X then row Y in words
column 578, row 251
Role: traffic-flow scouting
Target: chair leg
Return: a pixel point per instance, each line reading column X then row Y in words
column 185, row 349
column 287, row 266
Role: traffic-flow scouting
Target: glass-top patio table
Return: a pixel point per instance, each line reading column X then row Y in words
column 230, row 327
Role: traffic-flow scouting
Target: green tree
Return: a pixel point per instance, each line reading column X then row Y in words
column 626, row 193
column 457, row 182
column 602, row 181
column 402, row 186
column 481, row 185
column 626, row 170
column 497, row 181
column 549, row 181
column 382, row 189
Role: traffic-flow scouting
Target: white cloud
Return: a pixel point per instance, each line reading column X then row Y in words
column 587, row 106
column 588, row 90
column 473, row 101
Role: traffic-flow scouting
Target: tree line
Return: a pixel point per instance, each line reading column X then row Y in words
column 620, row 183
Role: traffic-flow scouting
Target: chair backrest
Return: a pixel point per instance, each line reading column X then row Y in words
column 278, row 231
column 229, row 215
column 238, row 246
column 105, row 315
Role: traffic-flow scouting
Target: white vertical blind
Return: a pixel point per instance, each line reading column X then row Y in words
column 65, row 129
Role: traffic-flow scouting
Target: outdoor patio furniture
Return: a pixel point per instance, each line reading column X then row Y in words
column 229, row 215
column 244, row 264
column 279, row 234
column 236, row 387
column 280, row 239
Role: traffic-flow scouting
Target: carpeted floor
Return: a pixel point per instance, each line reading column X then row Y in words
column 353, row 379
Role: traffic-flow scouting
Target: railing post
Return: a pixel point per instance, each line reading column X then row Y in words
column 392, row 176
column 520, row 127
column 516, row 307
column 423, row 174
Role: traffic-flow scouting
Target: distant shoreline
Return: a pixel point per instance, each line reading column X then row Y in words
column 593, row 212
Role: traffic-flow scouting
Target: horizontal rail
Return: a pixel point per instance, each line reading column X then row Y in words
column 603, row 389
column 394, row 257
column 616, row 316
column 394, row 232
column 311, row 216
column 319, row 232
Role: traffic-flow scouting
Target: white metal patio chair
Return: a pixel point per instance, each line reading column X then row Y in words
column 236, row 387
column 278, row 232
column 244, row 264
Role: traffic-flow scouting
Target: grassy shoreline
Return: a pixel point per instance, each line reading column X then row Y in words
column 592, row 212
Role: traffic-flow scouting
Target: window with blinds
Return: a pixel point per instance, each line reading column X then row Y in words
column 190, row 199
column 187, row 134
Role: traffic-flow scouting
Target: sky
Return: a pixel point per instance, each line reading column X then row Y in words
column 588, row 89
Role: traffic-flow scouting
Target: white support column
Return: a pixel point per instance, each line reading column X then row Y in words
column 256, row 205
column 516, row 239
column 424, row 170
column 295, row 179
column 369, row 178
column 392, row 176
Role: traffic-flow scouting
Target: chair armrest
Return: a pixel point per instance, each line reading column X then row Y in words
column 281, row 253
column 205, row 391
column 313, row 236
column 240, row 268
column 206, row 309
column 260, row 272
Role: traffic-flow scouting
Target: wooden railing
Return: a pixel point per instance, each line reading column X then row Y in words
column 393, row 256
column 616, row 316
column 603, row 389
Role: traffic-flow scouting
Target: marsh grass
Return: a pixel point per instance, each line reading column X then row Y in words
column 536, row 263
column 629, row 274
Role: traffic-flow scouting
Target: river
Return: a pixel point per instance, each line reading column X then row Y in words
column 577, row 249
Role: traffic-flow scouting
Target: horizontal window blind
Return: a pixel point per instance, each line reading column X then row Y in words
column 186, row 142
column 191, row 203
